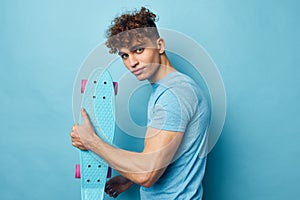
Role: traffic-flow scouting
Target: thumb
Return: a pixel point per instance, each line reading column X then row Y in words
column 85, row 116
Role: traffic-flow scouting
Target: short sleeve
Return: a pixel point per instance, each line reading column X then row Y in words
column 168, row 113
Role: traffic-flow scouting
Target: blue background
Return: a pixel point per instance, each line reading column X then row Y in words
column 255, row 45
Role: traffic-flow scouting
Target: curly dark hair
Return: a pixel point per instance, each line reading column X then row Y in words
column 136, row 24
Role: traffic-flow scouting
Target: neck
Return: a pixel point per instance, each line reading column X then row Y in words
column 164, row 69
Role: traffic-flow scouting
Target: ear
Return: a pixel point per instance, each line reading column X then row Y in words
column 160, row 45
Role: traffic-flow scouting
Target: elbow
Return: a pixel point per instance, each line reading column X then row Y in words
column 146, row 181
column 147, row 184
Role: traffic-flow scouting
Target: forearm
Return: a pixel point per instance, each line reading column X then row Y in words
column 140, row 168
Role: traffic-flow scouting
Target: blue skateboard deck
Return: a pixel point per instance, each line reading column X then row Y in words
column 98, row 101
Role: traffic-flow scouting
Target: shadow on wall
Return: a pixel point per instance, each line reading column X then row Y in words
column 216, row 169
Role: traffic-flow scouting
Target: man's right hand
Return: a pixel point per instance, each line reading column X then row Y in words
column 117, row 185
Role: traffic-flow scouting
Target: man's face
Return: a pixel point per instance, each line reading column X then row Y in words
column 142, row 59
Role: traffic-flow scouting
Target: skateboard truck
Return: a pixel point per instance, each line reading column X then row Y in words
column 77, row 172
column 84, row 81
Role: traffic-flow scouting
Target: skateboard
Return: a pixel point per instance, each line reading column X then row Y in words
column 99, row 102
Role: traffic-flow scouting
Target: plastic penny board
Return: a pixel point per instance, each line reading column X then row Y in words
column 98, row 101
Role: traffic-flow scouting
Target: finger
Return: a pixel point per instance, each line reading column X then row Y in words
column 107, row 188
column 78, row 145
column 110, row 192
column 81, row 148
column 106, row 191
column 73, row 135
column 115, row 195
column 85, row 116
column 76, row 140
column 74, row 126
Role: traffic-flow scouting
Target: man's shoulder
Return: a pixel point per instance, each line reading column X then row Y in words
column 177, row 80
column 177, row 83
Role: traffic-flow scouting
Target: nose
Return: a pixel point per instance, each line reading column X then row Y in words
column 133, row 61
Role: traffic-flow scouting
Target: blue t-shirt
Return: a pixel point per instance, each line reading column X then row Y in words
column 178, row 104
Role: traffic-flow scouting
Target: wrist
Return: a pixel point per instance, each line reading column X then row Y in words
column 125, row 180
column 93, row 143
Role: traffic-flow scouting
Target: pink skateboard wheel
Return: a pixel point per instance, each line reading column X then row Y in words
column 115, row 87
column 83, row 84
column 77, row 171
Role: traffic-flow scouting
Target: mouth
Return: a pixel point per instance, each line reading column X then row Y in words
column 138, row 71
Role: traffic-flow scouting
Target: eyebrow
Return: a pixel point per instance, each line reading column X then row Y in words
column 133, row 48
column 120, row 53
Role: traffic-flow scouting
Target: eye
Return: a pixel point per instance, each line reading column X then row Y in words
column 124, row 56
column 139, row 50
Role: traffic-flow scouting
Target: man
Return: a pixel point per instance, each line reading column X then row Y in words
column 170, row 165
